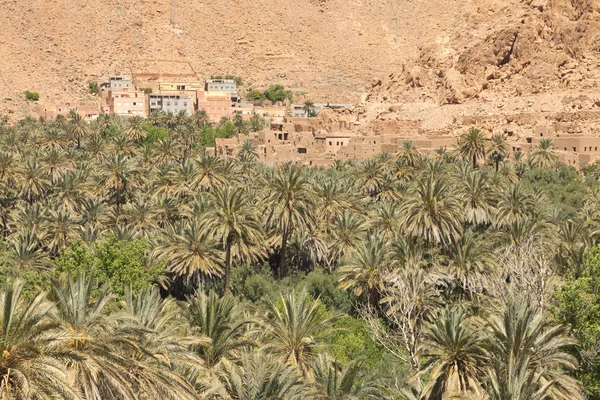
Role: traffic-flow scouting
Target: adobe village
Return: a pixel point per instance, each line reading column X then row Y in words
column 317, row 134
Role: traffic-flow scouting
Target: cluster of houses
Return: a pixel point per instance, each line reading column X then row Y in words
column 219, row 98
column 314, row 142
column 292, row 133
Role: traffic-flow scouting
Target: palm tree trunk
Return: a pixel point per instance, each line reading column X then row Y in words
column 474, row 160
column 228, row 264
column 282, row 254
column 497, row 164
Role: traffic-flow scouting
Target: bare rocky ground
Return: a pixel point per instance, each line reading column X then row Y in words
column 329, row 50
column 510, row 67
column 504, row 65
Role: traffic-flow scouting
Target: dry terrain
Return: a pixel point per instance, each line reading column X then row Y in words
column 328, row 49
column 505, row 65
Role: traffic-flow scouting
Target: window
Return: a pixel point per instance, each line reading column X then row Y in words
column 528, row 140
column 185, row 104
column 180, row 87
column 302, row 150
column 596, row 148
column 565, row 149
column 331, row 143
column 585, row 148
column 574, row 148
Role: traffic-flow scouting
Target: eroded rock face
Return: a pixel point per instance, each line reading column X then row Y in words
column 509, row 67
column 519, row 48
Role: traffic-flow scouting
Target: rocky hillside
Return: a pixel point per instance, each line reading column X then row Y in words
column 329, row 49
column 510, row 65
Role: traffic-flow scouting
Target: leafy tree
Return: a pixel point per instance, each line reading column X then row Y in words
column 116, row 264
column 32, row 96
column 93, row 87
column 578, row 307
column 277, row 93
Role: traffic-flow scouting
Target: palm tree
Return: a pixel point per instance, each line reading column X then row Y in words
column 78, row 127
column 337, row 381
column 479, row 196
column 234, row 220
column 309, row 108
column 333, row 197
column 26, row 251
column 259, row 376
column 164, row 345
column 528, row 357
column 347, row 232
column 239, row 124
column 370, row 178
column 454, row 356
column 200, row 118
column 432, row 211
column 117, row 176
column 409, row 153
column 32, row 180
column 60, row 228
column 135, row 129
column 545, row 155
column 247, row 151
column 472, row 263
column 212, row 172
column 188, row 249
column 99, row 369
column 221, row 321
column 293, row 327
column 365, row 268
column 472, row 146
column 514, row 202
column 290, row 202
column 33, row 362
column 257, row 123
column 498, row 149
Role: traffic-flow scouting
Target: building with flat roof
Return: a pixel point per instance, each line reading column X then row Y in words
column 171, row 102
column 223, row 86
column 120, row 83
column 180, row 86
column 217, row 105
column 127, row 103
column 87, row 110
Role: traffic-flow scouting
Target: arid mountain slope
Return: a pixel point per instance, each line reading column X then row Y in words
column 512, row 66
column 331, row 49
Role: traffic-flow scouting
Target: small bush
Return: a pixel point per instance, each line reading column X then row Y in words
column 32, row 96
column 146, row 90
column 93, row 86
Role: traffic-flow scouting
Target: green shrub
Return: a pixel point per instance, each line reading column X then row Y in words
column 32, row 96
column 278, row 93
column 325, row 286
column 350, row 340
column 254, row 95
column 93, row 86
column 155, row 133
column 116, row 264
column 254, row 283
